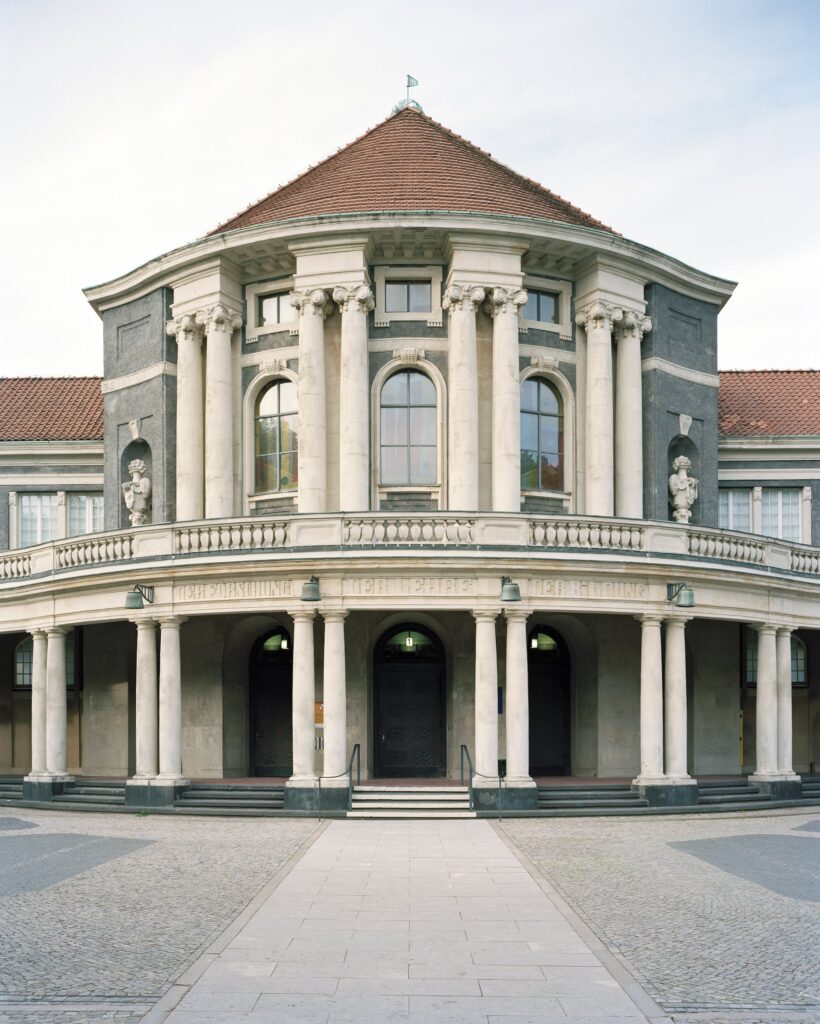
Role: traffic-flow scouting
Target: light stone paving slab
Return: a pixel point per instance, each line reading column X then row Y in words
column 376, row 923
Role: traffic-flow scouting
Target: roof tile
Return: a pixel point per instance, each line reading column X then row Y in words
column 51, row 409
column 769, row 403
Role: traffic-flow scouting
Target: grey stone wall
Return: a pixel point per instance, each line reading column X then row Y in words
column 134, row 339
column 684, row 332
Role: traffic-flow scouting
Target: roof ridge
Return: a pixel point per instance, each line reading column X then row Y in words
column 62, row 376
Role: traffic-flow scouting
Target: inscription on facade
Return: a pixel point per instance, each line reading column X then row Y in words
column 616, row 590
column 233, row 590
column 422, row 586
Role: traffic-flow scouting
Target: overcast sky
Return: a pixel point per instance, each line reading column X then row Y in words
column 132, row 128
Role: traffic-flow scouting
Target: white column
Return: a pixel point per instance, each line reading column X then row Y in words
column 56, row 709
column 170, row 701
column 190, row 471
column 506, row 476
column 219, row 323
column 147, row 705
column 766, row 710
column 335, row 699
column 517, row 709
column 784, row 703
column 597, row 319
column 462, row 406
column 354, row 400
column 486, row 700
column 651, row 702
column 629, row 417
column 313, row 307
column 304, row 698
column 39, row 698
column 675, row 742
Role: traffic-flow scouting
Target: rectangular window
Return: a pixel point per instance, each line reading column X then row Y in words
column 408, row 296
column 85, row 514
column 274, row 309
column 735, row 510
column 541, row 307
column 38, row 518
column 780, row 513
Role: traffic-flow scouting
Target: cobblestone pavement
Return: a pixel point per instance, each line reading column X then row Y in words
column 102, row 912
column 717, row 916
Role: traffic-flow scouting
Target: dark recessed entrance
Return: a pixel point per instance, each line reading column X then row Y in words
column 408, row 700
column 271, row 704
column 549, row 688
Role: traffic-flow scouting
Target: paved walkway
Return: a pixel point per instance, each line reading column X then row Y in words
column 434, row 922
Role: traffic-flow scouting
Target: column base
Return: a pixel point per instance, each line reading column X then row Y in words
column 667, row 792
column 302, row 793
column 485, row 793
column 332, row 795
column 44, row 787
column 778, row 786
column 153, row 791
column 519, row 794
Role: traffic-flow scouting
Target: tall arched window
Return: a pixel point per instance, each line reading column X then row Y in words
column 542, row 436
column 408, row 430
column 276, row 435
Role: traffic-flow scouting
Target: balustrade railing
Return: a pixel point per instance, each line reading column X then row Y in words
column 15, row 566
column 93, row 549
column 732, row 546
column 573, row 532
column 421, row 530
column 246, row 535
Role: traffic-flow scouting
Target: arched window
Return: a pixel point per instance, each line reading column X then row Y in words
column 749, row 668
column 276, row 436
column 24, row 662
column 542, row 436
column 408, row 429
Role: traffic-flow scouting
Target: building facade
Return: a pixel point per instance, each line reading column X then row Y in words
column 411, row 454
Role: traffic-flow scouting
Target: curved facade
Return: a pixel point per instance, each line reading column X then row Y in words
column 408, row 374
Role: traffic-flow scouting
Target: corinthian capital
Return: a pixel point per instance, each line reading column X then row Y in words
column 505, row 300
column 599, row 314
column 182, row 325
column 634, row 325
column 311, row 303
column 463, row 297
column 359, row 298
column 219, row 318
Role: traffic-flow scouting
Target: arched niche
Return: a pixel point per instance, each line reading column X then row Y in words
column 137, row 449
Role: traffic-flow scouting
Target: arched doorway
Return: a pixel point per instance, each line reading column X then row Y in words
column 549, row 690
column 408, row 704
column 270, row 675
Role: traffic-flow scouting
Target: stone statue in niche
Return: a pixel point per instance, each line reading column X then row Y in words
column 683, row 490
column 137, row 493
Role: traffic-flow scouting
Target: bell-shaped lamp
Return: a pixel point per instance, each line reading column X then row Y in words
column 509, row 591
column 310, row 590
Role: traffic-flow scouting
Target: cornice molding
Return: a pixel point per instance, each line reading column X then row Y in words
column 709, row 380
column 129, row 380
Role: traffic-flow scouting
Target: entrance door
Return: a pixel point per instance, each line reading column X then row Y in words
column 271, row 705
column 409, row 704
column 549, row 690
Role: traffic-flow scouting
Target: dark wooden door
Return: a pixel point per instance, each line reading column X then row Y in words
column 549, row 693
column 271, row 706
column 409, row 720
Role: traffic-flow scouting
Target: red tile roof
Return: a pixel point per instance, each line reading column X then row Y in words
column 769, row 403
column 51, row 409
column 410, row 162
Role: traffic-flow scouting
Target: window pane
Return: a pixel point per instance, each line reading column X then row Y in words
column 266, row 473
column 531, row 308
column 741, row 502
column 423, row 426
column 69, row 659
column 423, row 465
column 77, row 515
column 547, row 398
column 23, row 656
column 287, row 396
column 394, row 391
column 798, row 660
column 268, row 310
column 549, row 434
column 395, row 297
column 529, row 431
column 288, row 471
column 550, row 473
column 529, row 471
column 723, row 510
column 268, row 402
column 267, row 435
column 394, row 427
column 97, row 513
column 529, row 395
column 547, row 308
column 420, row 297
column 751, row 656
column 394, row 466
column 288, row 433
column 422, row 389
column 790, row 504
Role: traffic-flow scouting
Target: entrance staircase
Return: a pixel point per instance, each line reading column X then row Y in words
column 249, row 800
column 575, row 801
column 92, row 795
column 410, row 802
column 11, row 788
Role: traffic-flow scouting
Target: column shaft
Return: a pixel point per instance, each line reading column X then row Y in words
column 304, row 697
column 600, row 483
column 675, row 703
column 190, row 445
column 651, row 701
column 312, row 403
column 766, row 710
column 39, row 698
column 219, row 477
column 335, row 697
column 56, row 709
column 147, row 703
column 517, row 710
column 784, row 702
column 506, row 470
column 463, row 398
column 354, row 400
column 170, row 701
column 486, row 700
column 629, row 420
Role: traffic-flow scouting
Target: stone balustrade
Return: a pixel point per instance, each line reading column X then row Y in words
column 334, row 532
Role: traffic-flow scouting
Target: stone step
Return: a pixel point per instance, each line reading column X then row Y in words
column 611, row 787
column 227, row 802
column 416, row 805
column 409, row 812
column 732, row 798
column 232, row 787
column 97, row 791
column 410, row 797
column 85, row 798
column 424, row 790
column 232, row 795
column 589, row 794
column 720, row 790
column 589, row 804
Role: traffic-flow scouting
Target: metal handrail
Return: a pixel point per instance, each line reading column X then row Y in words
column 355, row 753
